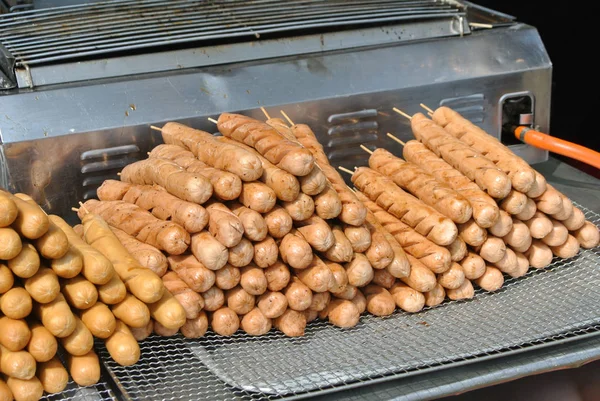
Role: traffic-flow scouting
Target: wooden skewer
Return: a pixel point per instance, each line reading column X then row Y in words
column 369, row 151
column 396, row 139
column 402, row 113
column 480, row 25
column 265, row 113
column 119, row 174
column 287, row 117
column 426, row 108
column 83, row 207
column 430, row 114
column 345, row 170
column 75, row 209
column 212, row 120
column 155, row 128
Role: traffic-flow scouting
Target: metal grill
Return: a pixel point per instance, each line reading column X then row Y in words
column 97, row 392
column 545, row 307
column 73, row 32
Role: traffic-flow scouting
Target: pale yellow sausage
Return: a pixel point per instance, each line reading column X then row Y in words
column 26, row 263
column 85, row 370
column 53, row 376
column 42, row 344
column 43, row 286
column 25, row 390
column 31, row 222
column 10, row 243
column 122, row 346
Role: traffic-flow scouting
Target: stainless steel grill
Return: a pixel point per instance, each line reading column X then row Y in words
column 547, row 306
column 63, row 33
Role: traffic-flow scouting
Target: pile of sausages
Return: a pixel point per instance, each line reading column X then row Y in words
column 468, row 208
column 59, row 292
column 255, row 230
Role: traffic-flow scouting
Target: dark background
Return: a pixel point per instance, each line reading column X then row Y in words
column 570, row 32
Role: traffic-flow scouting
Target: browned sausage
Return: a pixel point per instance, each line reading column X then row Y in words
column 469, row 161
column 587, row 235
column 414, row 213
column 522, row 176
column 485, row 209
column 353, row 211
column 285, row 154
column 255, row 227
column 421, row 184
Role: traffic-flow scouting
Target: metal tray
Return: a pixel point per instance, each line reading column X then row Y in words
column 546, row 306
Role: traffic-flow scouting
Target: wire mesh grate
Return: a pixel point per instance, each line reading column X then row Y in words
column 72, row 32
column 544, row 307
column 98, row 392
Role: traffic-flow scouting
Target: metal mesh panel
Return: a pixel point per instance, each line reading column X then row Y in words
column 544, row 307
column 97, row 392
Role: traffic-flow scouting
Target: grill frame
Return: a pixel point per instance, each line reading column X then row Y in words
column 50, row 30
column 233, row 37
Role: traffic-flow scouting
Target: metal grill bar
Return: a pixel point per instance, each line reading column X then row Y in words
column 80, row 31
column 60, row 30
column 171, row 11
column 188, row 20
column 546, row 307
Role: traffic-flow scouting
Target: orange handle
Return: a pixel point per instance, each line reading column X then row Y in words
column 559, row 146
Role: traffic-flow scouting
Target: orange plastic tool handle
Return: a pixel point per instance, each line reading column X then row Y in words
column 559, row 146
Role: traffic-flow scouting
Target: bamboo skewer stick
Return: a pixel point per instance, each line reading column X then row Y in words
column 402, row 113
column 265, row 113
column 345, row 170
column 480, row 25
column 426, row 108
column 287, row 117
column 369, row 151
column 396, row 139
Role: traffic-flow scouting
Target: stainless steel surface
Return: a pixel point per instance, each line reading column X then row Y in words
column 110, row 28
column 11, row 6
column 526, row 119
column 487, row 16
column 553, row 305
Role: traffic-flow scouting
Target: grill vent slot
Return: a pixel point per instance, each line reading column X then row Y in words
column 471, row 107
column 349, row 131
column 104, row 164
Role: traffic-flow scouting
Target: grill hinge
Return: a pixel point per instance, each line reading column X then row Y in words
column 7, row 69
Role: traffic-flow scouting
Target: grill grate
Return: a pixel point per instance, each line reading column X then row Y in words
column 97, row 392
column 73, row 32
column 544, row 307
